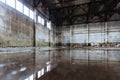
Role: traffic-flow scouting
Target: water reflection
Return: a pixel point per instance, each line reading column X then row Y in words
column 22, row 69
column 30, row 78
column 2, row 65
column 16, row 66
column 86, row 65
column 26, row 66
column 91, row 55
column 34, row 65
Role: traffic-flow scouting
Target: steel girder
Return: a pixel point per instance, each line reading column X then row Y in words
column 94, row 11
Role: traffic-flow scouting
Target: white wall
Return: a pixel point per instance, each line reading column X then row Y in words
column 91, row 33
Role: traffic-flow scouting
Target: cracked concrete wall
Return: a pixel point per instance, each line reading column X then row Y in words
column 103, row 32
column 16, row 29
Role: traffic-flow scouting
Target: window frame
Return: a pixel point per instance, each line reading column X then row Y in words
column 20, row 7
column 41, row 20
column 26, row 10
column 3, row 1
column 31, row 14
column 11, row 3
column 49, row 25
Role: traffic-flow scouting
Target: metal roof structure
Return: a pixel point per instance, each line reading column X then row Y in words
column 70, row 12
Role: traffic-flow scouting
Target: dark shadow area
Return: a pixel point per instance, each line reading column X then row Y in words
column 80, row 72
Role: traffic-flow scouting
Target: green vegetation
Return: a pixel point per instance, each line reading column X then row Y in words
column 14, row 42
column 38, row 43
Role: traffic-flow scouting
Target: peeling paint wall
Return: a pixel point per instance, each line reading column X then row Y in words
column 16, row 29
column 105, row 32
column 44, row 36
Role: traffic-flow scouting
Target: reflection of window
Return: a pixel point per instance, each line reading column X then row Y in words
column 19, row 6
column 30, row 78
column 2, row 1
column 11, row 3
column 48, row 68
column 31, row 14
column 26, row 10
column 39, row 74
column 42, row 72
column 26, row 79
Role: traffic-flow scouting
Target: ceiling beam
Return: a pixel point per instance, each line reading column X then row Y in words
column 99, row 11
column 74, row 5
column 37, row 3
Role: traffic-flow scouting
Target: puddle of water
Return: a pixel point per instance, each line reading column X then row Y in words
column 2, row 65
column 23, row 69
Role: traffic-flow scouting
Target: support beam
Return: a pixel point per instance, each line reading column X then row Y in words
column 37, row 3
column 94, row 11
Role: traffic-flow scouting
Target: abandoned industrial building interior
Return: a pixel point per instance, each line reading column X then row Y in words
column 59, row 39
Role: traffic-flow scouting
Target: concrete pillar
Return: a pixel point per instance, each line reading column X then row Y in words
column 34, row 28
column 88, row 34
column 49, row 37
column 71, row 35
column 106, row 25
column 71, row 51
column 105, row 32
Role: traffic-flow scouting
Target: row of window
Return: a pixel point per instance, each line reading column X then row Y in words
column 41, row 20
column 19, row 6
column 25, row 10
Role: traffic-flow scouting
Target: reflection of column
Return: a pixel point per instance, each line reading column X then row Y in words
column 71, row 56
column 87, row 51
column 106, row 60
column 34, row 58
column 49, row 55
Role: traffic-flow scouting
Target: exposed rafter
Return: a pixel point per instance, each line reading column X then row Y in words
column 70, row 12
column 94, row 11
column 37, row 3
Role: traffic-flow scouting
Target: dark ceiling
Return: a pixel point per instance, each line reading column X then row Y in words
column 70, row 12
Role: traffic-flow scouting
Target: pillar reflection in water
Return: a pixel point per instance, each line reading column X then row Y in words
column 26, row 65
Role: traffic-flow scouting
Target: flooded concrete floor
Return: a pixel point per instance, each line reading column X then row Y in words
column 61, row 65
column 65, row 71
